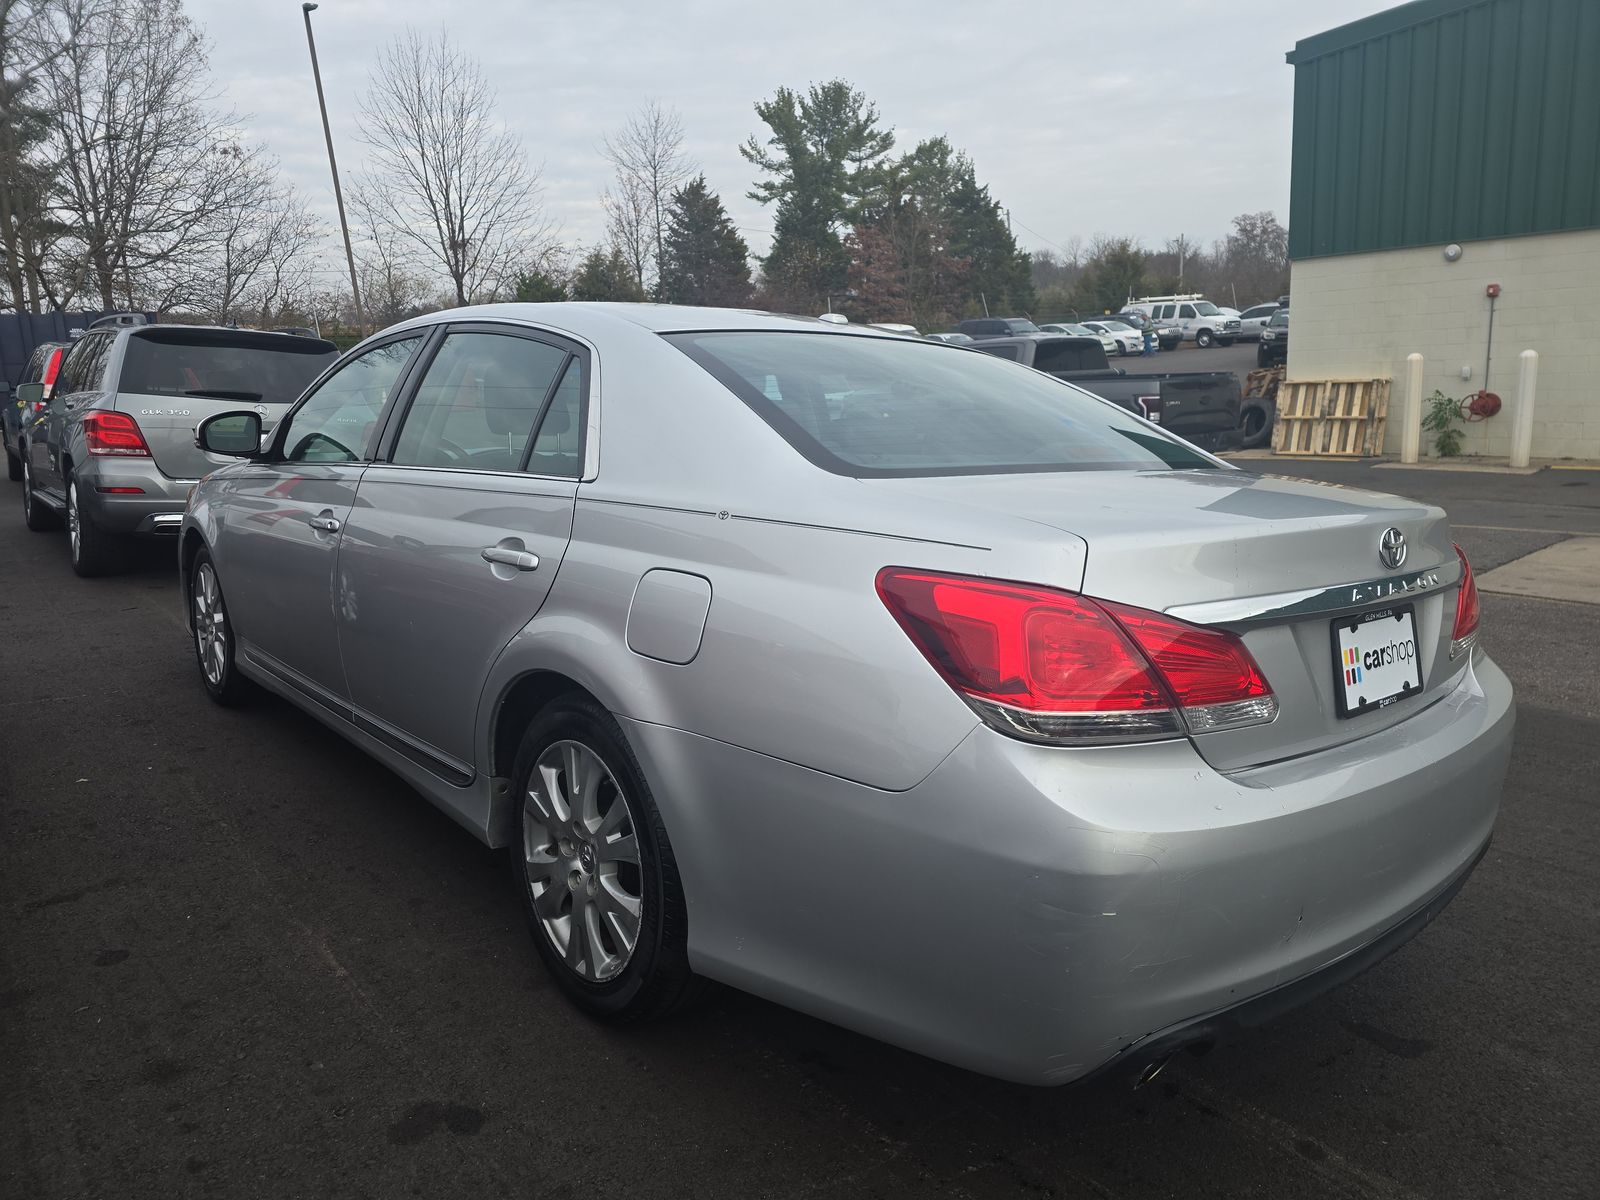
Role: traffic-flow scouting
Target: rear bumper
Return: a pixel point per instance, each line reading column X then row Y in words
column 155, row 511
column 1229, row 1024
column 1036, row 913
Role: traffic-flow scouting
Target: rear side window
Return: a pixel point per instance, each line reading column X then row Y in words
column 477, row 404
column 80, row 370
column 254, row 368
column 558, row 449
column 869, row 407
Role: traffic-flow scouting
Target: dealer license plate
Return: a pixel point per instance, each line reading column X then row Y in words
column 1375, row 659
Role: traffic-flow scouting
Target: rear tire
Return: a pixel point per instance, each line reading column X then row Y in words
column 578, row 914
column 1224, row 341
column 213, row 636
column 94, row 551
column 1202, row 339
column 36, row 515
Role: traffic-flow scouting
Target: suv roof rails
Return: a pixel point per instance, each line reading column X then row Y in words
column 118, row 320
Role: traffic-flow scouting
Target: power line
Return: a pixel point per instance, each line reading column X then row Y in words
column 1044, row 239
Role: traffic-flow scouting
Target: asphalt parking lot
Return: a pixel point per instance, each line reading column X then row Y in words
column 237, row 958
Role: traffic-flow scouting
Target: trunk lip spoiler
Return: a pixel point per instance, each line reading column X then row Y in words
column 1312, row 602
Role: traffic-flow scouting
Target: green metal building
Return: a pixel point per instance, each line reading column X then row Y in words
column 1446, row 120
column 1441, row 146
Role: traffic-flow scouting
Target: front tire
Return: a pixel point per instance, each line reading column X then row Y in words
column 1203, row 339
column 1224, row 341
column 213, row 635
column 94, row 551
column 36, row 515
column 595, row 871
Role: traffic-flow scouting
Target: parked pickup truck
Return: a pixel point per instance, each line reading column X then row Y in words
column 1200, row 406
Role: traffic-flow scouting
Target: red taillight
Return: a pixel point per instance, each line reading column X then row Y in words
column 51, row 366
column 1052, row 666
column 1215, row 679
column 120, row 491
column 114, row 433
column 1465, row 632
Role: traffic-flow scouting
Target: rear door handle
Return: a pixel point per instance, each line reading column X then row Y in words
column 522, row 560
column 325, row 524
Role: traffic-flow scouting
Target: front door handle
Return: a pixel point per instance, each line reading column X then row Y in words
column 522, row 560
column 324, row 524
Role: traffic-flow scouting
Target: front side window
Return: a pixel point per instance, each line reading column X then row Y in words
column 337, row 420
column 872, row 407
column 1186, row 311
column 477, row 404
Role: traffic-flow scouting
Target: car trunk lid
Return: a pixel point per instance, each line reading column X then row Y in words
column 1273, row 560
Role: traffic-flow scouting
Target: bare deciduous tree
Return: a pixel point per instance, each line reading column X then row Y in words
column 262, row 263
column 445, row 178
column 650, row 163
column 149, row 175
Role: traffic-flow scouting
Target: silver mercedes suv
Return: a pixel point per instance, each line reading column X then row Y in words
column 886, row 679
column 110, row 452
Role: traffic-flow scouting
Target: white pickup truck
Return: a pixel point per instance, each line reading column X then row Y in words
column 1202, row 322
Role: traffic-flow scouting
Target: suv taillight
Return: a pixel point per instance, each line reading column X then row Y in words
column 114, row 433
column 1465, row 632
column 1054, row 667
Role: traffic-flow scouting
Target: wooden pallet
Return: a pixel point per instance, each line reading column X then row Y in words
column 1263, row 382
column 1341, row 417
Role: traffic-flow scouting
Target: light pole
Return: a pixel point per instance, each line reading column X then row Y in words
column 338, row 196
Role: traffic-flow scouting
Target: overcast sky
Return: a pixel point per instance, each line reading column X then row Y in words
column 1083, row 117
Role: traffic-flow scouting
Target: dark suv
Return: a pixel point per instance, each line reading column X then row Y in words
column 988, row 327
column 1274, row 346
column 111, row 447
column 42, row 366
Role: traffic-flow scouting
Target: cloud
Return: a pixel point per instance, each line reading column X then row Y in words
column 1082, row 118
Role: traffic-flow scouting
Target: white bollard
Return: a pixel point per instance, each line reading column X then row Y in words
column 1411, row 434
column 1522, row 419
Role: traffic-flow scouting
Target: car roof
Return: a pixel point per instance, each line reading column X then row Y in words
column 592, row 319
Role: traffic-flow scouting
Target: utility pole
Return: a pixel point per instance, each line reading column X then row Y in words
column 338, row 196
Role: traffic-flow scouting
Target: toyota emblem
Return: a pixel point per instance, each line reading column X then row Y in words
column 1392, row 548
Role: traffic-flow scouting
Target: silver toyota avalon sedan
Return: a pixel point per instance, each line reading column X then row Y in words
column 887, row 680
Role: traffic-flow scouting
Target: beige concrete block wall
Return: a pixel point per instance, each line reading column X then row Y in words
column 1359, row 315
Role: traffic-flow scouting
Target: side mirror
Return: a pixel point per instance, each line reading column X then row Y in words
column 235, row 434
column 30, row 393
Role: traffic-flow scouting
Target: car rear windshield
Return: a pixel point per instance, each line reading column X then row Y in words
column 872, row 407
column 270, row 368
column 1079, row 354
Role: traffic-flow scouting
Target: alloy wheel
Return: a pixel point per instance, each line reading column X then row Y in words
column 210, row 624
column 581, row 861
column 27, row 492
